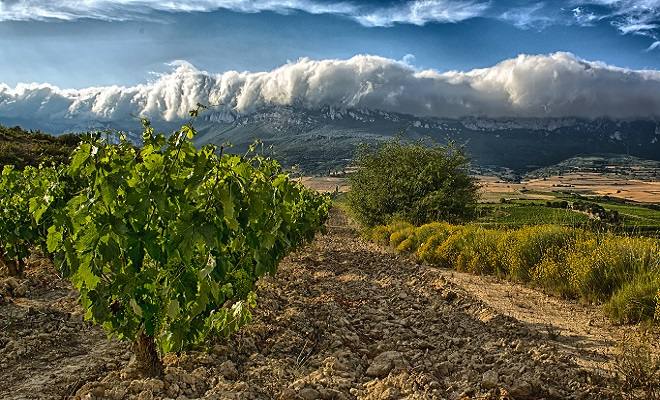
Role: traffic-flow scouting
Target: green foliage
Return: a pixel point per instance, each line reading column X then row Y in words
column 519, row 213
column 169, row 240
column 621, row 272
column 21, row 148
column 635, row 301
column 28, row 201
column 411, row 182
column 17, row 232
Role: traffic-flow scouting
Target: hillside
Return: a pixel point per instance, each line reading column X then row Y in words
column 624, row 166
column 342, row 319
column 21, row 148
column 325, row 138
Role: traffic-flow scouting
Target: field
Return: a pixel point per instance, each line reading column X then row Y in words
column 526, row 201
column 342, row 319
column 522, row 212
column 585, row 184
column 339, row 318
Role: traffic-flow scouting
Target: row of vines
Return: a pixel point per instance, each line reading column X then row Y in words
column 165, row 242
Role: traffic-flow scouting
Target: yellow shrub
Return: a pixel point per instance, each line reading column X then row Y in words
column 525, row 248
column 636, row 300
column 427, row 250
column 424, row 232
column 381, row 235
column 601, row 266
column 622, row 271
column 400, row 235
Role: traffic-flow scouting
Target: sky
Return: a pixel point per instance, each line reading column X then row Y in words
column 98, row 57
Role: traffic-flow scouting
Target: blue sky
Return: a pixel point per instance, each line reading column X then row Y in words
column 122, row 42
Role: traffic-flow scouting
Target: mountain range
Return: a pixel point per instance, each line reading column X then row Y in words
column 325, row 138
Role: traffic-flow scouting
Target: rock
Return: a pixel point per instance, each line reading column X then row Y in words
column 444, row 368
column 12, row 283
column 21, row 290
column 390, row 394
column 288, row 394
column 331, row 394
column 385, row 362
column 145, row 395
column 228, row 370
column 521, row 389
column 490, row 379
column 309, row 394
column 450, row 296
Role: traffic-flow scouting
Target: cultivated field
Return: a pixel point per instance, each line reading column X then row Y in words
column 586, row 184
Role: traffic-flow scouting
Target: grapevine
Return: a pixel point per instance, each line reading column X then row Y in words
column 166, row 242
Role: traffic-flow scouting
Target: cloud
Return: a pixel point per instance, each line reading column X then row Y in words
column 534, row 16
column 555, row 85
column 421, row 12
column 417, row 12
column 654, row 45
column 640, row 17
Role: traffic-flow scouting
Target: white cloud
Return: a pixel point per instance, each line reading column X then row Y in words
column 628, row 16
column 654, row 45
column 418, row 12
column 554, row 85
column 421, row 12
column 531, row 16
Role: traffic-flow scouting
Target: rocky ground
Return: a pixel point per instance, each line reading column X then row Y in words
column 342, row 319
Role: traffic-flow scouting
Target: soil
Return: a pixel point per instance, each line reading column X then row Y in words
column 342, row 319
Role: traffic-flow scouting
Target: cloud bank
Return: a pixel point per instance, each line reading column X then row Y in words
column 555, row 85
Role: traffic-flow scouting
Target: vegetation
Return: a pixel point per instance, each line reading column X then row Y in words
column 639, row 368
column 599, row 214
column 412, row 182
column 164, row 243
column 622, row 272
column 21, row 148
column 519, row 213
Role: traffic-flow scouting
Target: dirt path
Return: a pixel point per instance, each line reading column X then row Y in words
column 582, row 331
column 343, row 319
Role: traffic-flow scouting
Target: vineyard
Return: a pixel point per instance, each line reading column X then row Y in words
column 170, row 272
column 164, row 243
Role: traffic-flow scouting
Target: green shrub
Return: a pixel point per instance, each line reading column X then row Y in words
column 411, row 182
column 635, row 301
column 602, row 265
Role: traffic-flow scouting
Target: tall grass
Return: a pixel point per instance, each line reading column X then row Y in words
column 621, row 272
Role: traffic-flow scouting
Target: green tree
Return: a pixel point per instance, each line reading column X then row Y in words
column 413, row 182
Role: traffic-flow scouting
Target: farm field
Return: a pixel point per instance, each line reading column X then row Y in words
column 342, row 319
column 526, row 200
column 586, row 184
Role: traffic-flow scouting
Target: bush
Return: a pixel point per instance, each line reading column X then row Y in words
column 527, row 246
column 634, row 301
column 622, row 272
column 412, row 182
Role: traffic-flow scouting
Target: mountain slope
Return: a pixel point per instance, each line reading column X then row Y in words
column 326, row 138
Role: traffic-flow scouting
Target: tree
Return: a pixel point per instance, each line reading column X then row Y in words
column 412, row 182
